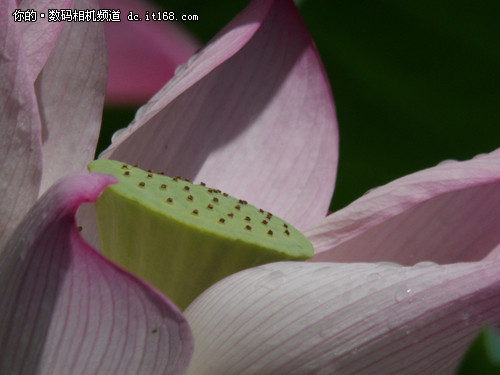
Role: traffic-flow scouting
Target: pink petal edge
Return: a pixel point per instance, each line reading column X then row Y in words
column 251, row 114
column 446, row 214
column 66, row 309
column 327, row 318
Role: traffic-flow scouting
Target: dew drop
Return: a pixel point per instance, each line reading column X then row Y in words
column 402, row 294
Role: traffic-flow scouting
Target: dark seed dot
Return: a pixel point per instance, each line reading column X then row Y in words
column 264, row 222
column 210, row 190
column 247, row 218
column 221, row 220
column 286, row 226
column 203, row 184
column 163, row 186
column 186, row 188
column 261, row 210
column 154, row 330
column 136, row 165
column 125, row 166
column 230, row 214
column 287, row 232
column 150, row 175
column 237, row 207
column 142, row 184
column 79, row 228
column 242, row 201
column 225, row 194
column 195, row 212
column 150, row 170
column 270, row 232
column 190, row 197
column 127, row 173
column 170, row 200
column 210, row 207
column 187, row 179
column 161, row 173
column 248, row 227
column 269, row 216
column 215, row 199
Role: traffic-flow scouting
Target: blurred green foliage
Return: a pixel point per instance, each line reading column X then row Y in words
column 414, row 83
column 483, row 355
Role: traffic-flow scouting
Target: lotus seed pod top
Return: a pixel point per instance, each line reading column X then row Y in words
column 182, row 237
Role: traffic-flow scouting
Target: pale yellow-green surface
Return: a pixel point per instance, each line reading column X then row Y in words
column 182, row 237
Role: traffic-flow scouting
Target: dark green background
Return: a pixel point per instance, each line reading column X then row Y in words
column 414, row 82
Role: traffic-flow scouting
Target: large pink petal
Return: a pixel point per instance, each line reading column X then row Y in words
column 20, row 138
column 67, row 310
column 70, row 91
column 326, row 318
column 142, row 55
column 444, row 214
column 251, row 114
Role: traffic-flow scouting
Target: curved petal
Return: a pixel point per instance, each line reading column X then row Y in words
column 251, row 114
column 326, row 318
column 142, row 55
column 40, row 37
column 70, row 91
column 20, row 138
column 67, row 310
column 444, row 214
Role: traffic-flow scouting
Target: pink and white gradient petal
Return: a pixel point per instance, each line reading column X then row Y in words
column 67, row 310
column 445, row 214
column 20, row 128
column 70, row 91
column 328, row 318
column 251, row 114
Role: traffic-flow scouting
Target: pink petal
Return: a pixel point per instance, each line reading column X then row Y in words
column 67, row 310
column 142, row 55
column 445, row 214
column 326, row 318
column 70, row 91
column 251, row 114
column 20, row 136
column 39, row 37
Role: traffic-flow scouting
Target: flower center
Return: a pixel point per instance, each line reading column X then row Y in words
column 183, row 237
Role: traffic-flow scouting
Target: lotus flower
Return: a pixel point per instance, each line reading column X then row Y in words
column 252, row 114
